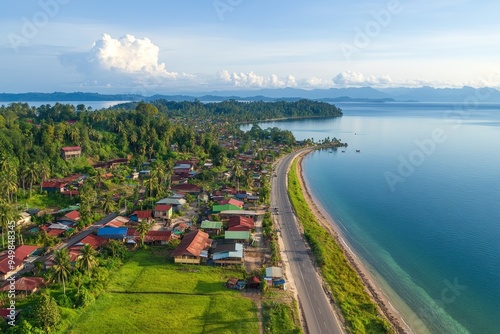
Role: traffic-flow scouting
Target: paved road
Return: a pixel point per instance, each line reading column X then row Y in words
column 315, row 306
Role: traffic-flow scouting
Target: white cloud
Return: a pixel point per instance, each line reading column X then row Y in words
column 252, row 80
column 125, row 62
column 355, row 79
column 315, row 82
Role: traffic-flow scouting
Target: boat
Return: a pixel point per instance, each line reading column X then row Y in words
column 357, row 151
column 343, row 151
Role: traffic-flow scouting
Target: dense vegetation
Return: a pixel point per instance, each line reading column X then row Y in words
column 359, row 311
column 244, row 111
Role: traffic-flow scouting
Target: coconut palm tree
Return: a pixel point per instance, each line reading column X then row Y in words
column 87, row 260
column 44, row 173
column 108, row 204
column 143, row 229
column 7, row 214
column 62, row 268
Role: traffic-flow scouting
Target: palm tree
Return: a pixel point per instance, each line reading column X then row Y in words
column 143, row 229
column 87, row 260
column 108, row 204
column 31, row 173
column 62, row 268
column 44, row 173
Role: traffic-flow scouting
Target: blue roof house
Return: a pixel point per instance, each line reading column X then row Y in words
column 112, row 232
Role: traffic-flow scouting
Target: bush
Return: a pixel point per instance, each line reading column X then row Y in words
column 64, row 301
column 84, row 298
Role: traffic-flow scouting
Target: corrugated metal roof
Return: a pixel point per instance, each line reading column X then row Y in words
column 211, row 224
column 237, row 235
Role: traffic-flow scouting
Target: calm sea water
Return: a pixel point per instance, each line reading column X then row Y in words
column 420, row 204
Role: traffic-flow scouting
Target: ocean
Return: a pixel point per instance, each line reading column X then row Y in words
column 419, row 204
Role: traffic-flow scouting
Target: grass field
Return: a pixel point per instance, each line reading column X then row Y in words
column 359, row 311
column 149, row 294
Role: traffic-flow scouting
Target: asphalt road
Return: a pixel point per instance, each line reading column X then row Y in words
column 314, row 303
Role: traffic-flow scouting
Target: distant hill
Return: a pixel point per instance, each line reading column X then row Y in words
column 361, row 94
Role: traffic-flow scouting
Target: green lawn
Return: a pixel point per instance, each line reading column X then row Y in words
column 152, row 295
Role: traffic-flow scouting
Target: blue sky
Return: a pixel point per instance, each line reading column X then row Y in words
column 169, row 46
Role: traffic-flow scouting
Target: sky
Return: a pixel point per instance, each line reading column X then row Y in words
column 165, row 46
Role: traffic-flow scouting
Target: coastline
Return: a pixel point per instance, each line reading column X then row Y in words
column 330, row 225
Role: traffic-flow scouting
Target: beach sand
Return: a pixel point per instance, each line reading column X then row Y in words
column 385, row 307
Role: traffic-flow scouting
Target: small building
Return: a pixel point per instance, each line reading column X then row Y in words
column 239, row 223
column 21, row 253
column 228, row 254
column 70, row 152
column 53, row 186
column 187, row 189
column 94, row 241
column 70, row 219
column 140, row 215
column 274, row 272
column 176, row 203
column 211, row 227
column 241, row 213
column 225, row 207
column 25, row 218
column 253, row 282
column 157, row 237
column 193, row 248
column 232, row 201
column 118, row 221
column 112, row 233
column 27, row 285
column 163, row 211
column 240, row 236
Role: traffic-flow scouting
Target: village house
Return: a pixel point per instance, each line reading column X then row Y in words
column 193, row 248
column 239, row 223
column 231, row 253
column 26, row 285
column 237, row 236
column 187, row 189
column 70, row 219
column 118, row 221
column 176, row 203
column 93, row 240
column 211, row 227
column 163, row 211
column 118, row 233
column 140, row 215
column 53, row 186
column 231, row 201
column 70, row 152
column 21, row 254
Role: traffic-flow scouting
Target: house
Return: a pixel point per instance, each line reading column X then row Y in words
column 240, row 236
column 274, row 272
column 56, row 232
column 24, row 219
column 232, row 201
column 226, row 207
column 157, row 237
column 239, row 223
column 57, row 226
column 70, row 152
column 140, row 215
column 28, row 285
column 21, row 253
column 231, row 253
column 228, row 190
column 93, row 240
column 112, row 232
column 187, row 189
column 53, row 186
column 193, row 248
column 240, row 213
column 253, row 282
column 163, row 211
column 176, row 203
column 118, row 221
column 211, row 227
column 70, row 219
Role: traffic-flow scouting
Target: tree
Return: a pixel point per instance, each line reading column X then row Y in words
column 108, row 204
column 87, row 260
column 45, row 313
column 31, row 174
column 62, row 268
column 143, row 229
column 116, row 249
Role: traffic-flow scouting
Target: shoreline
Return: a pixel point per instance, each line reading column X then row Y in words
column 326, row 221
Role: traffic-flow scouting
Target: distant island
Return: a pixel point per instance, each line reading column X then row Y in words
column 358, row 94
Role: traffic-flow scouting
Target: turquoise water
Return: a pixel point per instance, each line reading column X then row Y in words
column 426, row 217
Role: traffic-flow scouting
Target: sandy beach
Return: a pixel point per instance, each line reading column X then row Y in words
column 331, row 226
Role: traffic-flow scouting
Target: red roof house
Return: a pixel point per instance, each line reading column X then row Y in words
column 193, row 247
column 24, row 284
